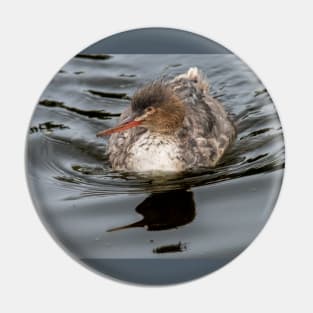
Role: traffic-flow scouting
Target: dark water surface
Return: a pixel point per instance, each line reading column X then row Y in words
column 98, row 213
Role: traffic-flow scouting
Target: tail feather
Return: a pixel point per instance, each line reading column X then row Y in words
column 197, row 77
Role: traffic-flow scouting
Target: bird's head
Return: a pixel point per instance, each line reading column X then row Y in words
column 155, row 107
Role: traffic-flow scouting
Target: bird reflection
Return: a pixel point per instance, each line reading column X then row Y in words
column 164, row 210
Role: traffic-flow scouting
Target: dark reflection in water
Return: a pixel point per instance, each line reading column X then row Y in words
column 164, row 210
column 93, row 56
column 90, row 113
column 179, row 247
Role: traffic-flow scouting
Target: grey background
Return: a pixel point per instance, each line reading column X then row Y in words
column 156, row 40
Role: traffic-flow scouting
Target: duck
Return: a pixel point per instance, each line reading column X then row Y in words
column 171, row 125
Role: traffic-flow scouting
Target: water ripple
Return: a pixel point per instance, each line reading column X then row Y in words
column 80, row 165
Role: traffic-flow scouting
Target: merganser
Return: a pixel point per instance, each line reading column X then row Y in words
column 171, row 126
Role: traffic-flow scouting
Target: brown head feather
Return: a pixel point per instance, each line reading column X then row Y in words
column 159, row 108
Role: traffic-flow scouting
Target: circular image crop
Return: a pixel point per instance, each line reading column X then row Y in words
column 155, row 156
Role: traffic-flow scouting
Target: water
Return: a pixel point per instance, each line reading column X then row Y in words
column 98, row 213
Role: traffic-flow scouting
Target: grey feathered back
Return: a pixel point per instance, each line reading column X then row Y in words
column 207, row 130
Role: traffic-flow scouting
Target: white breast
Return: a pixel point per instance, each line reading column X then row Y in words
column 154, row 153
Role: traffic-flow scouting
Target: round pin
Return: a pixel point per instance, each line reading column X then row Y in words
column 155, row 156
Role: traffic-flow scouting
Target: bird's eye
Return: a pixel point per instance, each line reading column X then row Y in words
column 149, row 109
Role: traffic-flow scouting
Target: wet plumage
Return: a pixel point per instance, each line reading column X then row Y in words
column 171, row 126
